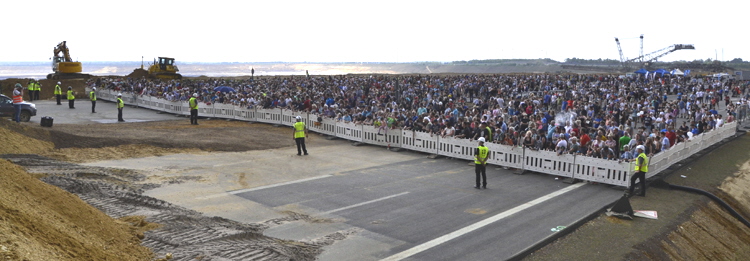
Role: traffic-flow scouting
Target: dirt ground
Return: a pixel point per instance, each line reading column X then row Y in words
column 54, row 209
column 689, row 226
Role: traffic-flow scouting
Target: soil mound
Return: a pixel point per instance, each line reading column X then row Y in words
column 138, row 73
column 42, row 222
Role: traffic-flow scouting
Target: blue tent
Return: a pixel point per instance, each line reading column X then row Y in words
column 641, row 71
column 224, row 89
column 661, row 71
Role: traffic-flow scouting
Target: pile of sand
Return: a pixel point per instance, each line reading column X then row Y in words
column 12, row 142
column 42, row 222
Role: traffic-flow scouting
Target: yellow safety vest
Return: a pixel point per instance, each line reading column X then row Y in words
column 70, row 95
column 92, row 95
column 193, row 103
column 37, row 86
column 645, row 163
column 58, row 90
column 299, row 129
column 120, row 103
column 30, row 87
column 483, row 153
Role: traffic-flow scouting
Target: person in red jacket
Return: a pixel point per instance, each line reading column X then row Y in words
column 671, row 135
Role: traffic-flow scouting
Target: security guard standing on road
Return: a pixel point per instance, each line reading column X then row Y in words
column 92, row 96
column 30, row 88
column 193, row 102
column 300, row 133
column 120, row 106
column 58, row 93
column 71, row 98
column 37, row 90
column 641, row 167
column 480, row 163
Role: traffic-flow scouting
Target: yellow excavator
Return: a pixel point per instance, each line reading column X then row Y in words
column 164, row 68
column 63, row 66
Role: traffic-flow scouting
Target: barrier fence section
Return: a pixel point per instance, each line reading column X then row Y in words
column 566, row 165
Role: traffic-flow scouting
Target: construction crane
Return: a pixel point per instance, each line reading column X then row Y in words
column 653, row 56
column 641, row 48
column 619, row 49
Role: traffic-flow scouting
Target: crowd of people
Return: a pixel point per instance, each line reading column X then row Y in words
column 603, row 116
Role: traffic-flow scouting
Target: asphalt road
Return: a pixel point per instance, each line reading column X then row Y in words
column 106, row 112
column 398, row 205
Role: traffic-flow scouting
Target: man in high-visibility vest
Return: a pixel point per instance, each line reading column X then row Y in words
column 300, row 132
column 480, row 163
column 92, row 96
column 30, row 88
column 120, row 106
column 71, row 98
column 58, row 93
column 193, row 102
column 641, row 167
column 17, row 100
column 37, row 90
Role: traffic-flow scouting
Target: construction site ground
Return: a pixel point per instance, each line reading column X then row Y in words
column 231, row 190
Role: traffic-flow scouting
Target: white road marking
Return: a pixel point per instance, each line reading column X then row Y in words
column 235, row 192
column 432, row 243
column 364, row 203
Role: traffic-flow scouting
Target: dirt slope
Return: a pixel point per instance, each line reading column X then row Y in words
column 42, row 222
column 689, row 227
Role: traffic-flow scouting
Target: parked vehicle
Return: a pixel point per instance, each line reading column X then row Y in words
column 6, row 108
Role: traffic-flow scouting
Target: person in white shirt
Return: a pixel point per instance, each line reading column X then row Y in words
column 664, row 141
column 562, row 145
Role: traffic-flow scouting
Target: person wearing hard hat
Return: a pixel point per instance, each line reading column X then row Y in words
column 17, row 100
column 641, row 167
column 71, row 98
column 58, row 93
column 300, row 133
column 37, row 89
column 30, row 89
column 120, row 106
column 193, row 102
column 480, row 163
column 92, row 96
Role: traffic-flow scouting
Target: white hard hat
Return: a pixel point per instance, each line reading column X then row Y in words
column 93, row 88
column 195, row 94
column 59, row 83
column 299, row 118
column 119, row 94
column 481, row 139
column 640, row 147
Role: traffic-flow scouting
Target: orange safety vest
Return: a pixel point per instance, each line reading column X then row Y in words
column 17, row 99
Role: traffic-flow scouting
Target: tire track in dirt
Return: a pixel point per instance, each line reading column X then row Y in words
column 187, row 234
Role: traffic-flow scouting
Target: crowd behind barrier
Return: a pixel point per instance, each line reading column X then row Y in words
column 576, row 166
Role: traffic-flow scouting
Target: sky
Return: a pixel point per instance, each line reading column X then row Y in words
column 370, row 31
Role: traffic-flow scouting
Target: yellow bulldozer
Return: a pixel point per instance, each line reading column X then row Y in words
column 164, row 68
column 63, row 66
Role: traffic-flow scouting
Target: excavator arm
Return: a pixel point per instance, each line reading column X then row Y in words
column 63, row 48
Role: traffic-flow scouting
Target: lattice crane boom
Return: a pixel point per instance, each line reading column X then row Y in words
column 653, row 56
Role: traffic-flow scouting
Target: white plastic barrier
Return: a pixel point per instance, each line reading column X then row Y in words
column 272, row 116
column 224, row 111
column 383, row 137
column 579, row 167
column 325, row 126
column 548, row 162
column 504, row 155
column 413, row 140
column 602, row 171
column 244, row 114
column 457, row 148
column 349, row 131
